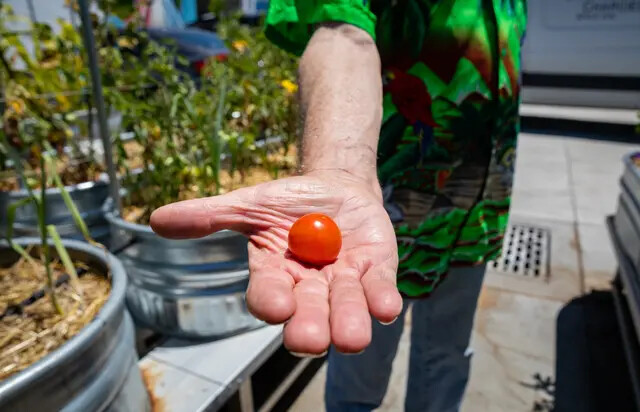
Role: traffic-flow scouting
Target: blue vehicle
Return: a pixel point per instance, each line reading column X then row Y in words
column 195, row 45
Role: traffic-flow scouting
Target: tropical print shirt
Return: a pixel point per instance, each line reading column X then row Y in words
column 447, row 145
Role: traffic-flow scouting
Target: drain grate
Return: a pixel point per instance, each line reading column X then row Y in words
column 525, row 252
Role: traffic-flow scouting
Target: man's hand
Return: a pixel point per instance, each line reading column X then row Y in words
column 341, row 101
column 324, row 305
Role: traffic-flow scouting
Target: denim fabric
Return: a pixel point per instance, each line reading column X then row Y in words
column 439, row 358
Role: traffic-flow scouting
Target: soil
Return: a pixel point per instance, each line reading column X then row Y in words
column 27, row 337
column 71, row 172
column 7, row 181
column 134, row 152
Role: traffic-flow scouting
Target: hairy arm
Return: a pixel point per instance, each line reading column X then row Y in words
column 341, row 96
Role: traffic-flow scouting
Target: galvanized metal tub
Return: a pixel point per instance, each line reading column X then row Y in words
column 96, row 370
column 89, row 198
column 114, row 120
column 186, row 288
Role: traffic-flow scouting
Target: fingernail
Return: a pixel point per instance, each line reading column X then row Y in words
column 308, row 355
column 388, row 323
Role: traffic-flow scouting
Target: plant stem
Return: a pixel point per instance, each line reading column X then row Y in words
column 214, row 141
column 43, row 235
column 66, row 259
column 75, row 213
column 6, row 65
column 90, row 127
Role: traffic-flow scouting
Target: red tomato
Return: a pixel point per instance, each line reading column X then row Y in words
column 315, row 238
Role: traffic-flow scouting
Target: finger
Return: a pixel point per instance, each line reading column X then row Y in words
column 308, row 330
column 350, row 320
column 200, row 217
column 383, row 298
column 270, row 293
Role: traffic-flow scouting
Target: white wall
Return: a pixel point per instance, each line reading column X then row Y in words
column 583, row 37
column 594, row 37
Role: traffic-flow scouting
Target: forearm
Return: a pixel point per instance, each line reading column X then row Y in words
column 341, row 96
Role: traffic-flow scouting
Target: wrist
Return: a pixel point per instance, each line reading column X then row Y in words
column 369, row 181
column 352, row 157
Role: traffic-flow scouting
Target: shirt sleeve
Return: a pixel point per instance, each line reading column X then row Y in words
column 290, row 23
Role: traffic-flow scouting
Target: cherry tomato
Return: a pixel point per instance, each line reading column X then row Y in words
column 315, row 238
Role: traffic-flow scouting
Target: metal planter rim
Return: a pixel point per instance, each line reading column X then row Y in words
column 103, row 180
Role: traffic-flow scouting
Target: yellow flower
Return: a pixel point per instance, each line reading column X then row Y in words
column 64, row 102
column 289, row 86
column 239, row 45
column 155, row 131
column 17, row 106
column 127, row 42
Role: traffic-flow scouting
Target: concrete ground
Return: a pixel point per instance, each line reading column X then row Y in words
column 568, row 185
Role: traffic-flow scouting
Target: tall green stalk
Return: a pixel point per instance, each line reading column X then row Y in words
column 46, row 255
column 75, row 213
column 214, row 141
column 65, row 258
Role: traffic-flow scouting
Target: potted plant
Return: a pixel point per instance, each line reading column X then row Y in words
column 81, row 358
column 50, row 85
column 237, row 127
column 66, row 340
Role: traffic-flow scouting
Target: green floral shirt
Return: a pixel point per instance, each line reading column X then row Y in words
column 447, row 144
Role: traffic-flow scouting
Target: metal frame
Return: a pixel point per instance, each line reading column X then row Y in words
column 96, row 85
column 245, row 393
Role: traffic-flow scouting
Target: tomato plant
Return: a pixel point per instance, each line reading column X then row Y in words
column 260, row 109
column 45, row 87
column 241, row 114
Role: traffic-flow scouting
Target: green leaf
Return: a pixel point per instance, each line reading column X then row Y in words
column 390, row 136
column 414, row 27
column 174, row 105
column 181, row 60
column 64, row 257
column 404, row 159
column 401, row 27
column 11, row 217
column 75, row 213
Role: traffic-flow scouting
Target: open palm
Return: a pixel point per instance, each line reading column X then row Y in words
column 331, row 304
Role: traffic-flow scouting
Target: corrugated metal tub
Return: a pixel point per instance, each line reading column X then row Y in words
column 187, row 288
column 627, row 218
column 97, row 369
column 89, row 197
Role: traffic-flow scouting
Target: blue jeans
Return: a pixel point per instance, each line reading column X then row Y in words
column 439, row 359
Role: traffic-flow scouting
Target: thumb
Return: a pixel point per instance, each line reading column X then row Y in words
column 201, row 217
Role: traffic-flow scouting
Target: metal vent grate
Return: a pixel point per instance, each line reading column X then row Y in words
column 525, row 252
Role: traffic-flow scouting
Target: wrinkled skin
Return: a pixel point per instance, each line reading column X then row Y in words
column 321, row 306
